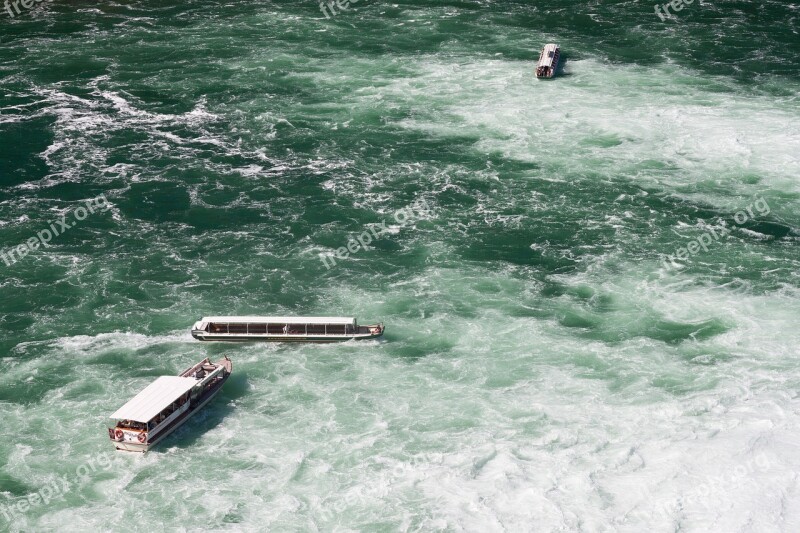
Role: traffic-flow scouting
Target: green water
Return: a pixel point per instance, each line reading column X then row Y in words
column 543, row 368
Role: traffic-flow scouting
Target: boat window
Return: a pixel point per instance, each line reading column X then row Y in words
column 316, row 329
column 297, row 329
column 257, row 328
column 237, row 328
column 349, row 330
column 275, row 329
column 218, row 328
column 336, row 329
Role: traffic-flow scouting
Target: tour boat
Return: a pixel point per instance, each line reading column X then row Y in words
column 283, row 329
column 548, row 61
column 165, row 404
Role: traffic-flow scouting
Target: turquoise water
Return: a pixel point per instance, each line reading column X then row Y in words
column 543, row 368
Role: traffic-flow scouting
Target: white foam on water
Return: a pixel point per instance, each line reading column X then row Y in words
column 481, row 410
column 607, row 118
column 507, row 430
column 82, row 124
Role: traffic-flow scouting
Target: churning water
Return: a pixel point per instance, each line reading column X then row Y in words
column 546, row 366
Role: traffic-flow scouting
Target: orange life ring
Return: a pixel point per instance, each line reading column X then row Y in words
column 118, row 434
column 142, row 437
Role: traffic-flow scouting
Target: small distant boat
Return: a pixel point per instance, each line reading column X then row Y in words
column 283, row 329
column 548, row 61
column 166, row 404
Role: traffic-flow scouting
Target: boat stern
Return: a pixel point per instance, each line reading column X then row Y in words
column 372, row 331
column 135, row 448
column 129, row 440
column 199, row 330
column 548, row 61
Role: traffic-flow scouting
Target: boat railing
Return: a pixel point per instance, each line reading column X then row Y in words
column 194, row 368
column 169, row 419
column 371, row 329
column 210, row 376
column 119, row 425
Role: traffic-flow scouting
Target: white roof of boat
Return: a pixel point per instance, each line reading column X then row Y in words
column 281, row 319
column 154, row 398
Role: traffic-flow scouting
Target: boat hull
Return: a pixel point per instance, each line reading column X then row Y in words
column 232, row 337
column 202, row 402
column 548, row 61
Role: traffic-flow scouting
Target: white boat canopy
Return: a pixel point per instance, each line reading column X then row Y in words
column 548, row 55
column 335, row 320
column 154, row 399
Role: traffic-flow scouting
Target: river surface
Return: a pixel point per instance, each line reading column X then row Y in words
column 547, row 366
